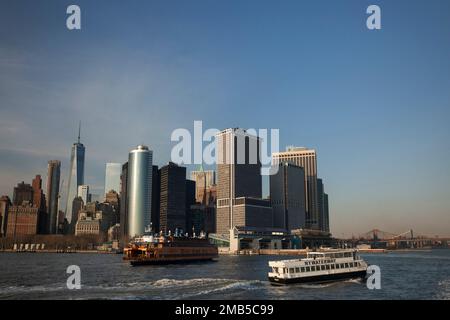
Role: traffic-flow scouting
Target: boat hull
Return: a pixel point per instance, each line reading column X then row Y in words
column 319, row 279
column 144, row 262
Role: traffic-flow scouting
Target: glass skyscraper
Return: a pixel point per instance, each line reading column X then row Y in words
column 112, row 177
column 76, row 175
column 139, row 193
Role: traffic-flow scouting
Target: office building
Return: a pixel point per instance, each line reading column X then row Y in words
column 307, row 159
column 326, row 214
column 5, row 203
column 22, row 193
column 76, row 174
column 124, row 205
column 172, row 212
column 239, row 183
column 287, row 196
column 53, row 177
column 139, row 190
column 22, row 220
column 156, row 187
column 83, row 193
column 39, row 202
column 112, row 177
column 203, row 181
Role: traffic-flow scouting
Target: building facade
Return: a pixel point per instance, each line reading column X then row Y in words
column 139, row 190
column 39, row 202
column 238, row 175
column 172, row 212
column 203, row 181
column 22, row 220
column 53, row 180
column 123, row 238
column 5, row 203
column 83, row 193
column 307, row 159
column 287, row 196
column 23, row 192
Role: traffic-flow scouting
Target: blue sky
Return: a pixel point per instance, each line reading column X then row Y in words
column 374, row 104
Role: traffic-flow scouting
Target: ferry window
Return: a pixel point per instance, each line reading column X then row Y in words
column 313, row 268
column 328, row 267
column 297, row 270
column 275, row 269
column 342, row 266
column 302, row 269
column 337, row 266
column 291, row 270
column 308, row 269
column 332, row 266
column 346, row 265
column 322, row 267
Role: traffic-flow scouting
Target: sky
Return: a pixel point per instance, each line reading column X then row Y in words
column 374, row 104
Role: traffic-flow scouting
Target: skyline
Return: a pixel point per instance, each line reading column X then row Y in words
column 377, row 101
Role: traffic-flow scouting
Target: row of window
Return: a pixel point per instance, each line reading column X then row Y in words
column 323, row 267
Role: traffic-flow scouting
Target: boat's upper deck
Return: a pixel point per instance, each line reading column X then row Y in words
column 325, row 257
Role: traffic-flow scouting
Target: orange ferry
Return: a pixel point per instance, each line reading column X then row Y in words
column 166, row 250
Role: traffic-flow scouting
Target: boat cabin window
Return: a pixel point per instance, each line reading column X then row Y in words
column 328, row 267
column 308, row 269
column 346, row 265
column 275, row 269
column 322, row 267
column 302, row 269
column 297, row 270
column 291, row 270
column 332, row 266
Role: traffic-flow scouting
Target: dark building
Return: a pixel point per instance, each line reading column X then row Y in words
column 323, row 207
column 287, row 196
column 239, row 183
column 156, row 185
column 124, row 205
column 326, row 224
column 23, row 192
column 5, row 203
column 39, row 202
column 172, row 198
column 190, row 200
column 53, row 177
column 77, row 206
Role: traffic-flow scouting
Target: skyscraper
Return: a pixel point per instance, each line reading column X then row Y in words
column 124, row 205
column 83, row 193
column 53, row 177
column 172, row 198
column 39, row 202
column 287, row 196
column 203, row 181
column 76, row 175
column 23, row 192
column 156, row 188
column 112, row 177
column 307, row 159
column 5, row 203
column 239, row 183
column 139, row 190
column 326, row 214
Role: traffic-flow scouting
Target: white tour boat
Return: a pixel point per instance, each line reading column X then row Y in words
column 318, row 267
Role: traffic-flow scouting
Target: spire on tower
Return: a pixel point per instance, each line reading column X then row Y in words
column 79, row 131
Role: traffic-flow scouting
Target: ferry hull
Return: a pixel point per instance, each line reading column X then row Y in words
column 145, row 262
column 319, row 279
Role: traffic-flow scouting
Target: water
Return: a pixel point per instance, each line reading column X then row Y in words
column 404, row 275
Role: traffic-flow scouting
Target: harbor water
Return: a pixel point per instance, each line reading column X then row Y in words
column 404, row 275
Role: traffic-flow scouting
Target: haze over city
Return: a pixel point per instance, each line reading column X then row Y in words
column 375, row 106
